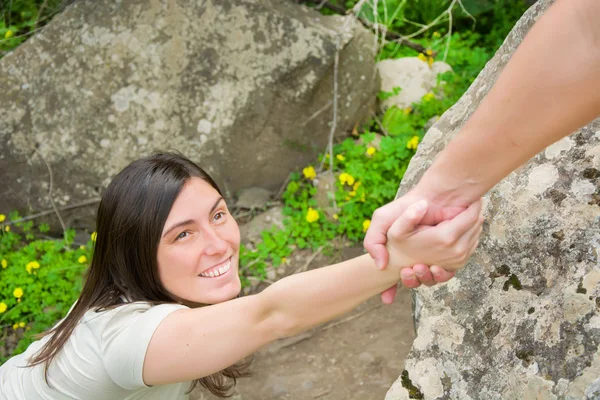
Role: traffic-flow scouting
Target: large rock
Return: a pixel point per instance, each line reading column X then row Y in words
column 414, row 77
column 243, row 87
column 521, row 320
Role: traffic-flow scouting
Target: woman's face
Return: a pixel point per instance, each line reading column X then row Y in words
column 199, row 247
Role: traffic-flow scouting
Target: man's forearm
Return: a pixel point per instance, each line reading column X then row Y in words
column 549, row 88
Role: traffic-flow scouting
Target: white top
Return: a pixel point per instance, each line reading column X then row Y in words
column 103, row 359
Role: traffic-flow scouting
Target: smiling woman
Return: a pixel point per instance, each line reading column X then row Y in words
column 160, row 312
column 199, row 250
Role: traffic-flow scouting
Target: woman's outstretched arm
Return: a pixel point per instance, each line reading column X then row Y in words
column 194, row 343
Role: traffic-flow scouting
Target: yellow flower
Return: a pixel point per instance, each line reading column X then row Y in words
column 3, row 307
column 283, row 260
column 335, row 216
column 436, row 34
column 429, row 52
column 9, row 34
column 430, row 61
column 429, row 96
column 340, row 157
column 21, row 324
column 356, row 186
column 352, row 193
column 2, row 217
column 407, row 110
column 346, row 178
column 4, row 263
column 16, row 326
column 422, row 57
column 32, row 265
column 413, row 143
column 93, row 236
column 7, row 228
column 312, row 215
column 366, row 224
column 82, row 259
column 18, row 293
column 371, row 150
column 309, row 172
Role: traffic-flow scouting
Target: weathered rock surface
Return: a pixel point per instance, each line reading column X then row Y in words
column 415, row 77
column 253, row 197
column 521, row 321
column 251, row 231
column 236, row 85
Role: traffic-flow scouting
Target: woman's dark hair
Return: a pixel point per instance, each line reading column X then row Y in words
column 130, row 220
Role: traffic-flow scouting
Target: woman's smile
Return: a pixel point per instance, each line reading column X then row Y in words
column 218, row 270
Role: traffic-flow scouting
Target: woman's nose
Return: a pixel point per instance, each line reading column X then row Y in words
column 213, row 242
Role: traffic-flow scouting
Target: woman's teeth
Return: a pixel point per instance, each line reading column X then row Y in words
column 213, row 273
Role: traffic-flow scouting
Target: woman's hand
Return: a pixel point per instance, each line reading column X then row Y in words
column 447, row 245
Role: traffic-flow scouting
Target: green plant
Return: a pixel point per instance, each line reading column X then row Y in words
column 39, row 278
column 381, row 95
column 20, row 19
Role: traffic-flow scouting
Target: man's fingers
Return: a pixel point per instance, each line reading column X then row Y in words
column 469, row 241
column 409, row 279
column 440, row 274
column 456, row 228
column 379, row 254
column 409, row 220
column 388, row 296
column 376, row 237
column 424, row 274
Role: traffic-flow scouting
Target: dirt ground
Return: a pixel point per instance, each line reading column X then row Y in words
column 356, row 357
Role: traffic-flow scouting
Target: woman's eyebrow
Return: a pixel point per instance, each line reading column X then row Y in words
column 215, row 205
column 191, row 221
column 179, row 224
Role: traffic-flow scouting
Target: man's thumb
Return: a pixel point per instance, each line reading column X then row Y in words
column 409, row 220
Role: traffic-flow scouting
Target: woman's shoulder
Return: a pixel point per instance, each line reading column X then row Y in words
column 128, row 311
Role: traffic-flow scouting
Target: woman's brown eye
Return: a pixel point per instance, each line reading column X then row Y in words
column 219, row 215
column 181, row 235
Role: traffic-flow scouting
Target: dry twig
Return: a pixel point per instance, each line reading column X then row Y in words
column 62, row 223
column 350, row 318
column 310, row 260
column 47, row 212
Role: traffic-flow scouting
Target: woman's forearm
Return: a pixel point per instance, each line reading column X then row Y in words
column 549, row 88
column 301, row 301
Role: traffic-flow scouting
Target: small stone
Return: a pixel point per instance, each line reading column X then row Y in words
column 367, row 358
column 308, row 385
column 254, row 197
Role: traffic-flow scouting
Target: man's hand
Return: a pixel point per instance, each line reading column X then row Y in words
column 376, row 237
column 384, row 217
column 450, row 243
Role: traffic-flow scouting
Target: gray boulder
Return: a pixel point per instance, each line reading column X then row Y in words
column 521, row 320
column 243, row 87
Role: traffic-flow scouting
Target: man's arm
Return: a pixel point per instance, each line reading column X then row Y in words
column 549, row 88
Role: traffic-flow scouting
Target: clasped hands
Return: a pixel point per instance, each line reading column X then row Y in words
column 436, row 239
